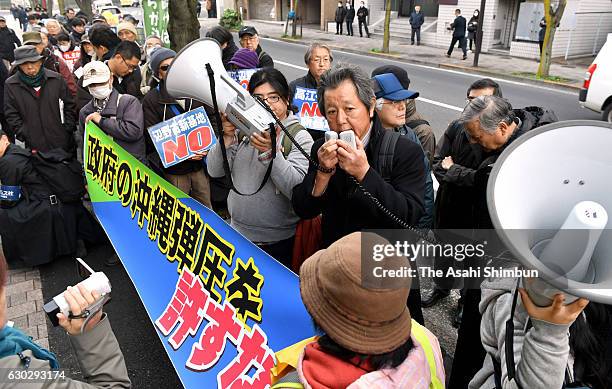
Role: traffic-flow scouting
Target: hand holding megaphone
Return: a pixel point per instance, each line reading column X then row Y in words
column 558, row 312
column 80, row 300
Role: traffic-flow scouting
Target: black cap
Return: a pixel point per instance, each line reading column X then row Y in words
column 400, row 73
column 247, row 30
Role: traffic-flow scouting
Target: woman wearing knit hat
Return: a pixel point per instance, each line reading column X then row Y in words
column 368, row 337
column 159, row 106
column 244, row 59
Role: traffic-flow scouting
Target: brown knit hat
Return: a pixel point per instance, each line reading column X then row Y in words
column 362, row 319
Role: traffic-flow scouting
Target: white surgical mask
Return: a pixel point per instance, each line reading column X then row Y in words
column 100, row 92
column 64, row 48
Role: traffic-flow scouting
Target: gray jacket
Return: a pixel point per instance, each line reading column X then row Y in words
column 99, row 357
column 540, row 354
column 267, row 216
column 124, row 121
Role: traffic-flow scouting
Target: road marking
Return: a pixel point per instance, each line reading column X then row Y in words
column 438, row 103
column 474, row 75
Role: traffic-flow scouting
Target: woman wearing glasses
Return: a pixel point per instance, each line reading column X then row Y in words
column 159, row 106
column 265, row 217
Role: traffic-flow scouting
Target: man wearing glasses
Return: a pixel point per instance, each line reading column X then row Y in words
column 249, row 39
column 319, row 59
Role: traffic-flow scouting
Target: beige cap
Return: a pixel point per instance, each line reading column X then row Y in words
column 95, row 72
column 127, row 26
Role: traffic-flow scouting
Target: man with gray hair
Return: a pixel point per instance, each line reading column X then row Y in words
column 336, row 189
column 319, row 59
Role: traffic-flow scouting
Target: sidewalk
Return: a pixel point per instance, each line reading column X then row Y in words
column 24, row 301
column 490, row 64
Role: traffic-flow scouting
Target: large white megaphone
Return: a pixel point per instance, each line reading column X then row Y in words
column 188, row 78
column 549, row 195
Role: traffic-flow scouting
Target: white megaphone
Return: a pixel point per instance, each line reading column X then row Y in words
column 549, row 194
column 188, row 78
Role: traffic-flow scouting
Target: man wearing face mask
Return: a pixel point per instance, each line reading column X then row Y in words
column 350, row 17
column 118, row 115
column 38, row 106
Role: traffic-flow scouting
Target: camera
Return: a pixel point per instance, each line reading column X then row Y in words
column 96, row 281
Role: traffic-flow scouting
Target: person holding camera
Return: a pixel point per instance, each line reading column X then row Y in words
column 97, row 350
column 264, row 216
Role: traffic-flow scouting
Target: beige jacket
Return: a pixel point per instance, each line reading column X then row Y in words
column 99, row 356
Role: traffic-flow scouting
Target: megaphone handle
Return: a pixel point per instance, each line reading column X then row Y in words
column 226, row 168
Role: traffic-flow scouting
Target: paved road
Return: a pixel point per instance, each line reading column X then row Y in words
column 443, row 94
column 442, row 91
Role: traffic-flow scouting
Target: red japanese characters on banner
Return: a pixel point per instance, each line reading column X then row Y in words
column 71, row 58
column 190, row 305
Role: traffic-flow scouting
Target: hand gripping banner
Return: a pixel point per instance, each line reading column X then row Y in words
column 220, row 305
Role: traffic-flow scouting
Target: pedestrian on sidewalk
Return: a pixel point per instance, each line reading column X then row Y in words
column 542, row 34
column 8, row 42
column 458, row 27
column 362, row 19
column 416, row 21
column 350, row 17
column 340, row 16
column 473, row 28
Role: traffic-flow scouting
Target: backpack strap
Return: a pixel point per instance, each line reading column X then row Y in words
column 386, row 152
column 418, row 122
column 286, row 143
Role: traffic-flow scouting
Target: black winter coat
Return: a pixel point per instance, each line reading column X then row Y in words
column 36, row 120
column 345, row 209
column 350, row 15
column 530, row 118
column 453, row 206
column 416, row 19
column 8, row 42
column 34, row 231
column 459, row 26
column 157, row 108
column 362, row 14
column 265, row 61
column 340, row 14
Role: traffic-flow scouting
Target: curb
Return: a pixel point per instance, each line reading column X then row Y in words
column 466, row 69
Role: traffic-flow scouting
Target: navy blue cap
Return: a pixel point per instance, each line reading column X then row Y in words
column 388, row 86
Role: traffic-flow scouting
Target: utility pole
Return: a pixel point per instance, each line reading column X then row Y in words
column 479, row 32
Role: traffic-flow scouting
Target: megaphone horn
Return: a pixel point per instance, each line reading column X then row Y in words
column 188, row 78
column 549, row 195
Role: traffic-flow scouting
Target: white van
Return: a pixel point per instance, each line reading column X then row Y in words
column 596, row 93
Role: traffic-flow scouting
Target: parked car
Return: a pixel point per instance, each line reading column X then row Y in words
column 596, row 92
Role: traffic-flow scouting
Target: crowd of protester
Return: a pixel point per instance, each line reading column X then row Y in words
column 70, row 71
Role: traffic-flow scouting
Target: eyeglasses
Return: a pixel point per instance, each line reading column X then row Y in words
column 130, row 66
column 164, row 68
column 396, row 104
column 321, row 60
column 270, row 99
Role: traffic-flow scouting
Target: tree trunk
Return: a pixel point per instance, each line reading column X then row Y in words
column 553, row 18
column 386, row 36
column 85, row 6
column 183, row 25
column 295, row 19
column 61, row 6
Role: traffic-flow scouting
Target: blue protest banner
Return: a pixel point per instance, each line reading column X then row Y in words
column 305, row 100
column 221, row 306
column 242, row 76
column 183, row 136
